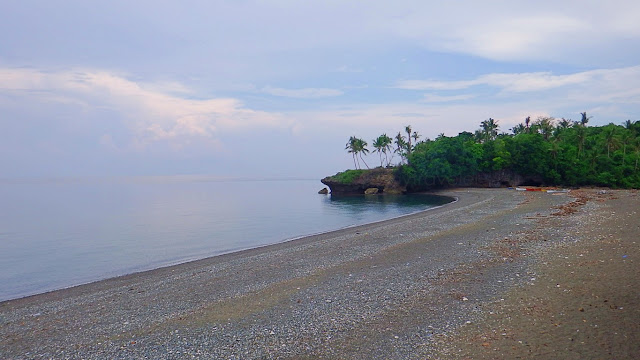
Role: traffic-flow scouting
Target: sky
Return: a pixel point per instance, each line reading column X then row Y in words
column 274, row 89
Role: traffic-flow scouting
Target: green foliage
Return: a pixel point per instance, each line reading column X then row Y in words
column 348, row 176
column 440, row 162
column 557, row 152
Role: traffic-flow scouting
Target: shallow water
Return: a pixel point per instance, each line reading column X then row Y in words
column 60, row 233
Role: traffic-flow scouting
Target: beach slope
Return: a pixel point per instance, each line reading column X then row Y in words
column 496, row 274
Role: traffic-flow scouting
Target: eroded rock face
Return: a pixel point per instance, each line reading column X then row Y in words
column 371, row 191
column 382, row 180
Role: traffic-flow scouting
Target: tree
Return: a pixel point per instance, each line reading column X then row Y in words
column 544, row 125
column 626, row 139
column 362, row 148
column 352, row 148
column 584, row 118
column 581, row 133
column 356, row 146
column 564, row 124
column 409, row 147
column 415, row 137
column 518, row 129
column 610, row 139
column 488, row 130
column 382, row 143
column 401, row 146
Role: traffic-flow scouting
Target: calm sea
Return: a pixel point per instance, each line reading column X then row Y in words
column 59, row 233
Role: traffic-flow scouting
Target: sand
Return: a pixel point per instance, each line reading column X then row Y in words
column 498, row 274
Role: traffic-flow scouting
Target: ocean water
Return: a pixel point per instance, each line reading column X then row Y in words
column 60, row 233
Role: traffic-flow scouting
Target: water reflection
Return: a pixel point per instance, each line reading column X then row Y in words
column 58, row 234
column 359, row 203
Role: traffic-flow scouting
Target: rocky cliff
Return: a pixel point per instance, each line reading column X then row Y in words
column 360, row 180
column 383, row 181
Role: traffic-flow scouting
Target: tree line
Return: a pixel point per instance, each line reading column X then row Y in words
column 559, row 152
column 402, row 146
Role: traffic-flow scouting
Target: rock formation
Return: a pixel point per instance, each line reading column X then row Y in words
column 381, row 179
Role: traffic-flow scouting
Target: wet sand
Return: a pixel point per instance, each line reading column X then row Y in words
column 445, row 283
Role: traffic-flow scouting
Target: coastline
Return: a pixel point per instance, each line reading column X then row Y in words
column 381, row 290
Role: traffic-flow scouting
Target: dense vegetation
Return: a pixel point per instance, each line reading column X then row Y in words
column 348, row 176
column 556, row 152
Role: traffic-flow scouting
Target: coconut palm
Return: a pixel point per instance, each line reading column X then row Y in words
column 584, row 118
column 352, row 148
column 581, row 133
column 409, row 148
column 382, row 143
column 489, row 129
column 401, row 146
column 545, row 126
column 415, row 138
column 564, row 123
column 518, row 129
column 387, row 148
column 610, row 139
column 636, row 151
column 362, row 148
column 626, row 139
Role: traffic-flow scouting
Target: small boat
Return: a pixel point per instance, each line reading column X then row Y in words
column 558, row 191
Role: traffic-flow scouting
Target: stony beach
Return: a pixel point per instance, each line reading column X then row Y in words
column 497, row 274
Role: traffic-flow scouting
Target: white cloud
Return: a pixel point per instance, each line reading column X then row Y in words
column 622, row 78
column 433, row 98
column 306, row 93
column 151, row 113
column 570, row 31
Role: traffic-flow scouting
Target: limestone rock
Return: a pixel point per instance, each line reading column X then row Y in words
column 381, row 179
column 371, row 191
column 324, row 191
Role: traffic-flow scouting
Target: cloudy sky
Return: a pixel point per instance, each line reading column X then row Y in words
column 275, row 88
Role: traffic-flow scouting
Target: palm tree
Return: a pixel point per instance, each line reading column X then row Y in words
column 415, row 137
column 545, row 126
column 352, row 148
column 637, row 152
column 632, row 126
column 387, row 148
column 381, row 144
column 489, row 129
column 582, row 136
column 554, row 149
column 610, row 138
column 362, row 148
column 408, row 130
column 584, row 120
column 564, row 123
column 401, row 146
column 518, row 129
column 626, row 138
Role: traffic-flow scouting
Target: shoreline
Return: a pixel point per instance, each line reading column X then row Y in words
column 239, row 252
column 388, row 290
column 176, row 263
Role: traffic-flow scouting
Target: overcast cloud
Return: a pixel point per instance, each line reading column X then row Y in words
column 275, row 88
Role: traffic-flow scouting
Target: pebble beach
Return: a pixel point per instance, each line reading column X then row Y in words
column 497, row 274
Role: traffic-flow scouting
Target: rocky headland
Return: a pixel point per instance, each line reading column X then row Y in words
column 385, row 181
